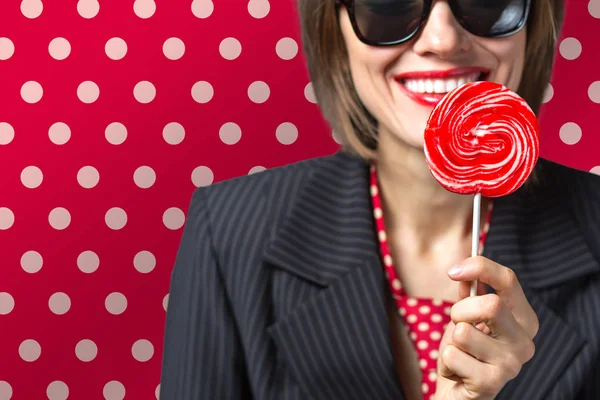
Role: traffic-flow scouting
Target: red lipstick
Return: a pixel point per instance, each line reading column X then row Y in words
column 431, row 99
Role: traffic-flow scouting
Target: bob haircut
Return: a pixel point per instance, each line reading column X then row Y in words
column 328, row 67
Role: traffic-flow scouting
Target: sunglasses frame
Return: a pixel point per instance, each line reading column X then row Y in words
column 349, row 4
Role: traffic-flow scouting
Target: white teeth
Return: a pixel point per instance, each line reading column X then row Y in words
column 440, row 86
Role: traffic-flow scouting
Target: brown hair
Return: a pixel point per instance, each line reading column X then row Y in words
column 328, row 66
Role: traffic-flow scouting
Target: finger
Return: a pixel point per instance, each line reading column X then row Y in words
column 505, row 283
column 477, row 344
column 464, row 289
column 490, row 310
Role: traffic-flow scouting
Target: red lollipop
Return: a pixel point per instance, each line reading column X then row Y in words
column 482, row 138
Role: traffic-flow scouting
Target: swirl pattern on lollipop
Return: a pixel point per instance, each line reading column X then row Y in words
column 482, row 138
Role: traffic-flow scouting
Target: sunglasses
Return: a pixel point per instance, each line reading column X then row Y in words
column 391, row 22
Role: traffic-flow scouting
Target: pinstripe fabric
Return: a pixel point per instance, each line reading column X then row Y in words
column 278, row 291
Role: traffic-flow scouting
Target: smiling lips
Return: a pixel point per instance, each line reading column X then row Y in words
column 428, row 87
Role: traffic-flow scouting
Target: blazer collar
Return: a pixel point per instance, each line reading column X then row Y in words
column 328, row 240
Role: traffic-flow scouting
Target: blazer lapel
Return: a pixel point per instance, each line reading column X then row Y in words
column 332, row 329
column 544, row 247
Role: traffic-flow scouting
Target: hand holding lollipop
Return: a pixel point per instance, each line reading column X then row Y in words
column 483, row 139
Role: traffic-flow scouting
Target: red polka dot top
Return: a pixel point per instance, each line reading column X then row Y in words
column 426, row 319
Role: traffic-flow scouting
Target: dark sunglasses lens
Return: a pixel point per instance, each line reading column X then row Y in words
column 489, row 18
column 388, row 21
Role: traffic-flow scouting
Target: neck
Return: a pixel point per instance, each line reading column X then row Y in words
column 417, row 208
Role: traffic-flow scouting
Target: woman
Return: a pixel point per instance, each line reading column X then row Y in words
column 288, row 285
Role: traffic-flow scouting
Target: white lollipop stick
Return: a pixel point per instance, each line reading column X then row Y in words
column 475, row 238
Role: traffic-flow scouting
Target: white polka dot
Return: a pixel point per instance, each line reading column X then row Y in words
column 144, row 261
column 594, row 8
column 144, row 92
column 59, row 133
column 423, row 326
column 387, row 260
column 433, row 354
column 570, row 48
column 337, row 137
column 144, row 8
column 256, row 169
column 594, row 89
column 157, row 392
column 7, row 218
column 57, row 390
column 6, row 391
column 31, row 177
column 30, row 350
column 422, row 345
column 259, row 92
column 7, row 303
column 7, row 48
column 114, row 390
column 202, row 92
column 144, row 177
column 424, row 310
column 548, row 93
column 115, row 48
column 435, row 335
column 286, row 48
column 142, row 350
column 202, row 176
column 378, row 213
column 88, row 92
column 309, row 93
column 411, row 319
column 115, row 303
column 115, row 133
column 31, row 262
column 173, row 133
column 432, row 376
column 374, row 190
column 88, row 8
column 88, row 262
column 436, row 318
column 413, row 335
column 423, row 363
column 411, row 301
column 86, row 350
column 230, row 48
column 230, row 133
column 59, row 48
column 59, row 303
column 116, row 218
column 32, row 92
column 173, row 218
column 595, row 170
column 7, row 133
column 424, row 388
column 173, row 48
column 88, row 177
column 32, row 8
column 286, row 133
column 396, row 284
column 259, row 8
column 437, row 302
column 59, row 218
column 202, row 8
column 165, row 302
column 447, row 310
column 570, row 133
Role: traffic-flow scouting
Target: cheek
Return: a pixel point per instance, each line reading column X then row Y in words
column 510, row 53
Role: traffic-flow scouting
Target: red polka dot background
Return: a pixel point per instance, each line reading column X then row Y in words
column 111, row 114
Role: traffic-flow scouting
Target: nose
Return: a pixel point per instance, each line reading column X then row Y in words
column 442, row 35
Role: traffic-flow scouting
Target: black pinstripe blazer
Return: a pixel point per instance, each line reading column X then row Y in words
column 278, row 291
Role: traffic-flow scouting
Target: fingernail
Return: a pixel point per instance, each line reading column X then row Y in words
column 455, row 271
